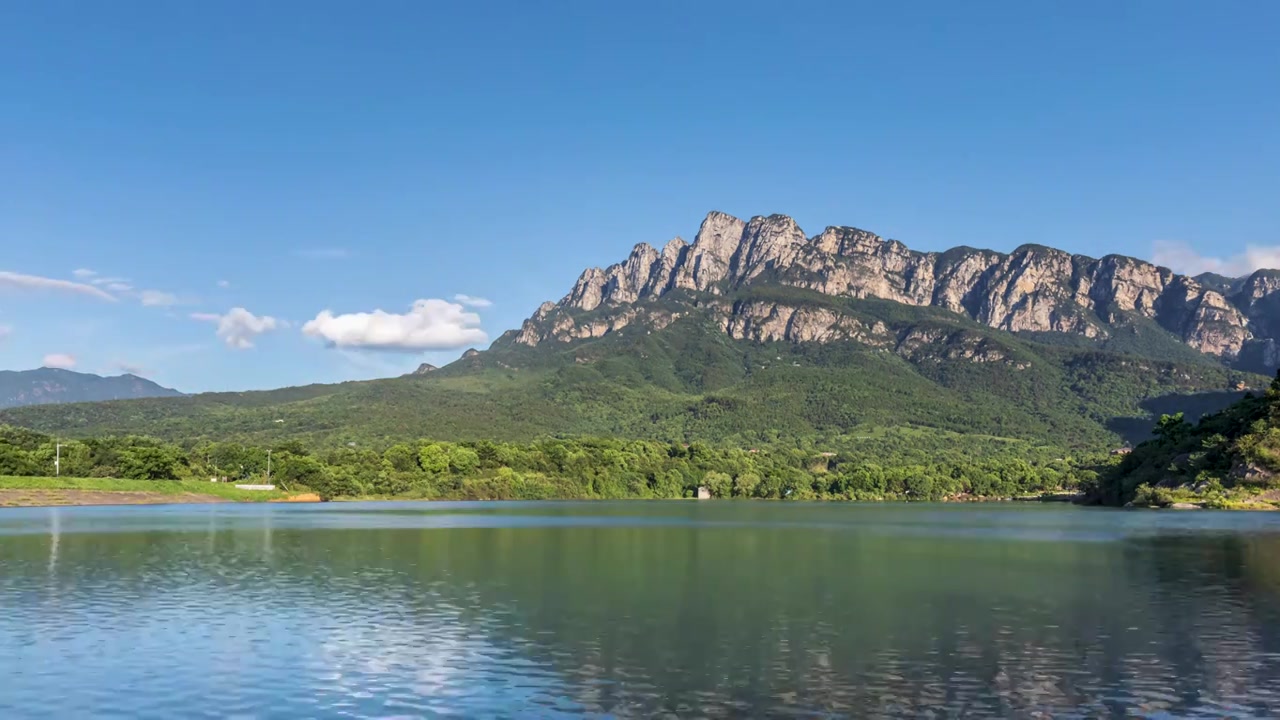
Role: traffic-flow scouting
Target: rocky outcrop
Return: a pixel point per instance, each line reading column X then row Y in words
column 771, row 322
column 1032, row 289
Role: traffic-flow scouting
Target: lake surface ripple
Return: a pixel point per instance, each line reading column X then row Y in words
column 637, row 609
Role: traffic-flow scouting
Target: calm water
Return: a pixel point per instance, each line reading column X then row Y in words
column 637, row 610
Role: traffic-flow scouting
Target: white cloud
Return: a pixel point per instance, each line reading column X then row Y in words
column 59, row 360
column 239, row 327
column 108, row 280
column 34, row 282
column 83, row 273
column 330, row 253
column 224, row 284
column 5, row 331
column 473, row 302
column 156, row 298
column 429, row 325
column 1181, row 257
column 121, row 287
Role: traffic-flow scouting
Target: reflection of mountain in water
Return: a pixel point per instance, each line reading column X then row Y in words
column 872, row 615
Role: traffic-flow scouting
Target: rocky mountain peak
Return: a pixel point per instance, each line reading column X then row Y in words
column 767, row 243
column 719, row 235
column 1261, row 284
column 674, row 247
column 1032, row 289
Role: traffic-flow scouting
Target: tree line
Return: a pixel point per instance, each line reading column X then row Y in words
column 872, row 469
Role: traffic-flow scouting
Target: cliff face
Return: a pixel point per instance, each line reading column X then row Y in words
column 1032, row 289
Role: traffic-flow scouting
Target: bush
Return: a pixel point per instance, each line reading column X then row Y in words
column 1148, row 496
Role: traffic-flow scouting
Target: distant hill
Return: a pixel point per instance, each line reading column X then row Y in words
column 47, row 386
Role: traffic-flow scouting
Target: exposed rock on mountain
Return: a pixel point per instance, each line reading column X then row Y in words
column 1033, row 289
column 45, row 386
column 425, row 369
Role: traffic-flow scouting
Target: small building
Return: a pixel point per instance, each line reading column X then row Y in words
column 704, row 492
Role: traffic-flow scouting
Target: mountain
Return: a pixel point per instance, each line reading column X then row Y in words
column 1113, row 303
column 45, row 386
column 755, row 334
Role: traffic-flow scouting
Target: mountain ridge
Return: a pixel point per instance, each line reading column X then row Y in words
column 46, row 386
column 1033, row 289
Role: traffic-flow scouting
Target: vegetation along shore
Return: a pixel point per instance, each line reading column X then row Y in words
column 1227, row 460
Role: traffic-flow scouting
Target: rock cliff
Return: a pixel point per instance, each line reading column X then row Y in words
column 1032, row 289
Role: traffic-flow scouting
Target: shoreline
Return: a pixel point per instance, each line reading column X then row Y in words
column 24, row 491
column 71, row 497
column 18, row 497
column 66, row 497
column 97, row 492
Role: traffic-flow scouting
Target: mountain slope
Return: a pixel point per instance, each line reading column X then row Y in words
column 755, row 334
column 692, row 382
column 52, row 385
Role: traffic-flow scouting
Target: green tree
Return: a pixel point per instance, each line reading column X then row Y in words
column 295, row 470
column 746, row 484
column 433, row 458
column 1172, row 429
column 15, row 461
column 462, row 459
column 151, row 462
column 402, row 458
column 720, row 484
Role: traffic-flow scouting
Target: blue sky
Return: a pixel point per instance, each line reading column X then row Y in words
column 289, row 158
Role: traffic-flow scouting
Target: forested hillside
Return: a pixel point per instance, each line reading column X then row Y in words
column 689, row 383
column 1229, row 458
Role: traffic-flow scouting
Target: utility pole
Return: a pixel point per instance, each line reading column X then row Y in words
column 57, row 460
column 268, row 466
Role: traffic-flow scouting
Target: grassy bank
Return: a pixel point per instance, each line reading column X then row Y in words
column 17, row 488
column 1212, row 498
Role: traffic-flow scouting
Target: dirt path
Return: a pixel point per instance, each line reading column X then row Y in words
column 47, row 498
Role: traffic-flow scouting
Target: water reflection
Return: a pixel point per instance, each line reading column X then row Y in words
column 638, row 610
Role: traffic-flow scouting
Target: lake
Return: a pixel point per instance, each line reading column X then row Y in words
column 637, row 609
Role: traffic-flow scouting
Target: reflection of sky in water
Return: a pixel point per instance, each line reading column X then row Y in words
column 438, row 665
column 237, row 638
column 1023, row 521
column 723, row 610
column 227, row 651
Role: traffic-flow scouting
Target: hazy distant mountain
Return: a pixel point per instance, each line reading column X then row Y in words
column 46, row 386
